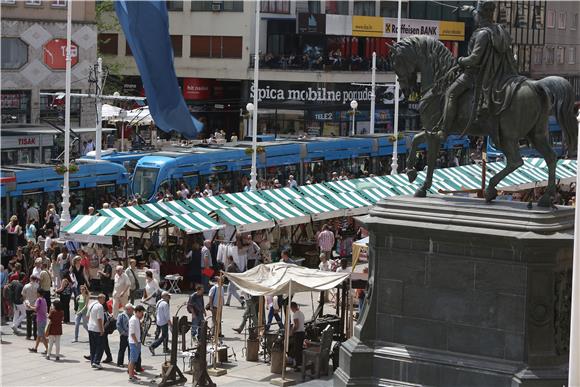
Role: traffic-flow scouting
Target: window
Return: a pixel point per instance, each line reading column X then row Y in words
column 201, row 6
column 390, row 8
column 59, row 3
column 281, row 36
column 574, row 24
column 34, row 2
column 128, row 51
column 562, row 21
column 550, row 51
column 275, row 6
column 337, row 7
column 174, row 5
column 233, row 6
column 538, row 22
column 551, row 19
column 108, row 44
column 571, row 55
column 10, row 2
column 314, row 6
column 538, row 52
column 177, row 44
column 364, row 8
column 216, row 47
column 14, row 53
column 561, row 55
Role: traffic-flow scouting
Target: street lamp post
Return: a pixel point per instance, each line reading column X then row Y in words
column 395, row 164
column 253, row 173
column 353, row 106
column 65, row 215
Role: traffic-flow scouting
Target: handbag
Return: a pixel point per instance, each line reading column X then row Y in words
column 208, row 272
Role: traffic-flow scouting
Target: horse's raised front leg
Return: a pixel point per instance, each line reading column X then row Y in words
column 514, row 160
column 541, row 143
column 433, row 145
column 411, row 171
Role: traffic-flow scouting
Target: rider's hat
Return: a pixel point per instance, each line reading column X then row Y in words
column 486, row 9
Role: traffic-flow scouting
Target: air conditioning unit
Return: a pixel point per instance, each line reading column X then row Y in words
column 217, row 6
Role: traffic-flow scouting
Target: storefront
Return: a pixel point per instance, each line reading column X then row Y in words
column 26, row 148
column 323, row 109
column 15, row 106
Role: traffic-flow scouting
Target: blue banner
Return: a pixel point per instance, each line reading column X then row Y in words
column 146, row 27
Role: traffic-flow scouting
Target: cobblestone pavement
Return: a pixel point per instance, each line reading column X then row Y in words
column 22, row 368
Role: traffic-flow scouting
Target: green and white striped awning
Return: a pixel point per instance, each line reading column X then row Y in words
column 355, row 203
column 245, row 218
column 343, row 185
column 376, row 194
column 314, row 189
column 207, row 204
column 194, row 222
column 133, row 213
column 243, row 198
column 164, row 209
column 319, row 207
column 94, row 229
column 280, row 194
column 284, row 213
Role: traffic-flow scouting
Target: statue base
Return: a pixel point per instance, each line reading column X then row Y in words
column 463, row 293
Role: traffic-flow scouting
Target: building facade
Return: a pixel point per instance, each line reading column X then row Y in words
column 33, row 60
column 559, row 54
column 314, row 55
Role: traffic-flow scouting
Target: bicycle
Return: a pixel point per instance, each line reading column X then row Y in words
column 149, row 318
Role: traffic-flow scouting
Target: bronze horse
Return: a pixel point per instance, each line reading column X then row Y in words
column 525, row 118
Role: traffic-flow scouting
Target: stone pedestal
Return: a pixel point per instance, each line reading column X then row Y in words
column 463, row 293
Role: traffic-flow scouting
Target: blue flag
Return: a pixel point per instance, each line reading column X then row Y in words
column 146, row 27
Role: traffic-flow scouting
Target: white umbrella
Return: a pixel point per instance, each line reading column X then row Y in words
column 110, row 111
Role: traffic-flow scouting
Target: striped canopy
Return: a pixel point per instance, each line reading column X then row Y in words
column 315, row 189
column 343, row 185
column 207, row 204
column 376, row 194
column 280, row 194
column 96, row 229
column 245, row 218
column 355, row 203
column 194, row 222
column 284, row 213
column 319, row 207
column 165, row 209
column 244, row 198
column 133, row 213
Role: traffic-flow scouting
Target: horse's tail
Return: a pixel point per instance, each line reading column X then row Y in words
column 562, row 98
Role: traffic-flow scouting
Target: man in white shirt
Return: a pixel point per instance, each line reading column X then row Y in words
column 121, row 290
column 135, row 340
column 131, row 272
column 29, row 294
column 32, row 213
column 96, row 328
column 297, row 332
column 163, row 323
column 214, row 299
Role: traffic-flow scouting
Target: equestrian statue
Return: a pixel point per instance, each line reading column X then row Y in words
column 483, row 95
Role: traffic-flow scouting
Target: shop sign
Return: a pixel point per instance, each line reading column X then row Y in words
column 330, row 93
column 17, row 142
column 10, row 101
column 197, row 88
column 311, row 23
column 55, row 54
column 384, row 27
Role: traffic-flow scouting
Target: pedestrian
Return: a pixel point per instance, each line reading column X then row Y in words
column 151, row 289
column 123, row 329
column 29, row 294
column 79, row 275
column 297, row 333
column 206, row 264
column 343, row 266
column 324, row 264
column 82, row 303
column 110, row 326
column 17, row 299
column 163, row 321
column 121, row 289
column 64, row 292
column 214, row 295
column 253, row 253
column 249, row 314
column 135, row 340
column 232, row 267
column 96, row 328
column 30, row 231
column 273, row 312
column 106, row 277
column 285, row 257
column 195, row 307
column 54, row 330
column 132, row 274
column 37, row 267
column 40, row 308
column 56, row 270
column 45, row 283
column 326, row 241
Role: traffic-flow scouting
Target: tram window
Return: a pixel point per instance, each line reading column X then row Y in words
column 144, row 181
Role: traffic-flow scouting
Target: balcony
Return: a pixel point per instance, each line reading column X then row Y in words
column 314, row 62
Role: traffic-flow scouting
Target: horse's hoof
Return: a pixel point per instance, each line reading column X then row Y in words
column 412, row 174
column 490, row 194
column 420, row 193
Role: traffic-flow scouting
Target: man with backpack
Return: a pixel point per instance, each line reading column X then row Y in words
column 15, row 290
column 195, row 307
